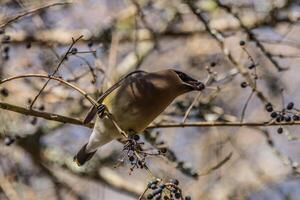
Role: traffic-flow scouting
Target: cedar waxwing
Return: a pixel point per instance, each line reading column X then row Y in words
column 134, row 102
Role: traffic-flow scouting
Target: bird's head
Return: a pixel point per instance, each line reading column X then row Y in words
column 188, row 81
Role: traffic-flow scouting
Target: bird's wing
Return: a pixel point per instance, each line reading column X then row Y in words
column 93, row 110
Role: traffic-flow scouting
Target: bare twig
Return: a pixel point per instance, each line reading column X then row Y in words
column 209, row 78
column 220, row 40
column 94, row 102
column 145, row 23
column 30, row 12
column 92, row 70
column 246, row 105
column 45, row 115
column 251, row 36
column 218, row 165
column 57, row 68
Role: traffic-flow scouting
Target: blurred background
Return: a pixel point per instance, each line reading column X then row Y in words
column 243, row 44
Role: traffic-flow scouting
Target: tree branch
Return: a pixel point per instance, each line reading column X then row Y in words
column 45, row 115
column 29, row 12
column 89, row 98
column 70, row 120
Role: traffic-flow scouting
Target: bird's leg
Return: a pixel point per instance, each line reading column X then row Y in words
column 101, row 110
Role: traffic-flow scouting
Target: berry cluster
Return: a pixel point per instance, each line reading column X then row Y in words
column 5, row 39
column 252, row 65
column 167, row 191
column 134, row 152
column 287, row 114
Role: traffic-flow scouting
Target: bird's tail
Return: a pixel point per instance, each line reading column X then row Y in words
column 82, row 156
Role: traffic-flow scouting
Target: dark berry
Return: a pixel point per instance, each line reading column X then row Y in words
column 159, row 190
column 29, row 100
column 6, row 49
column 290, row 106
column 278, row 119
column 174, row 181
column 90, row 44
column 280, row 130
column 194, row 174
column 244, row 84
column 274, row 114
column 136, row 137
column 269, row 107
column 163, row 150
column 34, row 121
column 140, row 163
column 28, row 45
column 162, row 186
column 150, row 196
column 251, row 66
column 74, row 50
column 131, row 158
column 296, row 117
column 42, row 107
column 4, row 92
column 212, row 64
column 187, row 198
column 153, row 186
column 158, row 197
column 174, row 190
column 268, row 104
column 288, row 119
column 154, row 182
column 242, row 42
column 177, row 195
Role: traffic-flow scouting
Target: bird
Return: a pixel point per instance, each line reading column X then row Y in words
column 134, row 102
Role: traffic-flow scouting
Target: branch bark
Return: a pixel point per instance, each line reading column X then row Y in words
column 75, row 121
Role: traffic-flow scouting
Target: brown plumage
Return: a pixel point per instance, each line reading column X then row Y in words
column 134, row 104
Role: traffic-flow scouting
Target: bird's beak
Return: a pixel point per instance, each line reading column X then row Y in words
column 195, row 84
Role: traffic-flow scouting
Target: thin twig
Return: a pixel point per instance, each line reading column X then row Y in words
column 29, row 12
column 246, row 105
column 209, row 78
column 218, row 165
column 220, row 123
column 144, row 192
column 55, row 71
column 94, row 102
column 220, row 40
column 251, row 36
column 145, row 23
column 92, row 70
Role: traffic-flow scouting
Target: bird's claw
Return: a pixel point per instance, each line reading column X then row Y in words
column 101, row 110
